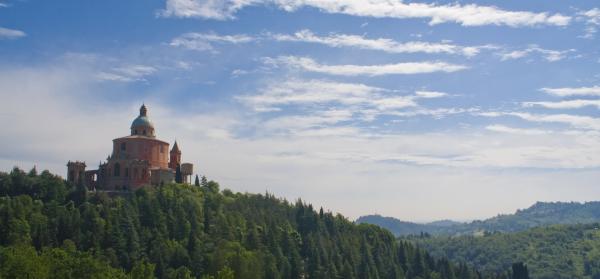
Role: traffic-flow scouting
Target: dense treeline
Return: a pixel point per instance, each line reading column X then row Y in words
column 553, row 252
column 50, row 229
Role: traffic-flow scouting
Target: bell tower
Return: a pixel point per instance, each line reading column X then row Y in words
column 175, row 158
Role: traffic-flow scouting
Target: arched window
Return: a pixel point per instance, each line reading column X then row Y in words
column 135, row 173
column 123, row 146
column 126, row 172
column 144, row 132
column 117, row 169
column 135, row 132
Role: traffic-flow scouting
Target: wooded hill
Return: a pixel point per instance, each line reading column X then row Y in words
column 552, row 252
column 50, row 229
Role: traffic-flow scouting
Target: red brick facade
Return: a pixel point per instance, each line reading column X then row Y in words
column 136, row 160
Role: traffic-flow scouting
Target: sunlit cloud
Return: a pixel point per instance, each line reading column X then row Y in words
column 405, row 68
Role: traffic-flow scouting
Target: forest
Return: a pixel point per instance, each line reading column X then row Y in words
column 51, row 229
column 550, row 252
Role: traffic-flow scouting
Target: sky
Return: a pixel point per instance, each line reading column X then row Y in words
column 418, row 110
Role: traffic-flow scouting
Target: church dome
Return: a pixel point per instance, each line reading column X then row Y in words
column 142, row 125
column 142, row 121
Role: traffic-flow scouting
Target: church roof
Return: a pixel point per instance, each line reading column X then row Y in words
column 175, row 148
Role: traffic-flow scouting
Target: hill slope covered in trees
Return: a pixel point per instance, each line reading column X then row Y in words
column 540, row 214
column 50, row 229
column 552, row 252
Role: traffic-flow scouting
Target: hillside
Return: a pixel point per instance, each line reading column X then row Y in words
column 540, row 214
column 50, row 229
column 554, row 252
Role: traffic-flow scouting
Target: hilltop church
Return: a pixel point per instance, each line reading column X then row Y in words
column 137, row 160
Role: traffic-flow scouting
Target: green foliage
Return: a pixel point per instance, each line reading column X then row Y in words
column 49, row 229
column 559, row 251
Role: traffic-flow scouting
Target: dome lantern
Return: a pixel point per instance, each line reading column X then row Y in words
column 141, row 126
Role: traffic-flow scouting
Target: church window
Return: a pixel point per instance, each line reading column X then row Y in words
column 135, row 132
column 117, row 169
column 162, row 149
column 135, row 173
column 123, row 146
column 144, row 132
column 126, row 172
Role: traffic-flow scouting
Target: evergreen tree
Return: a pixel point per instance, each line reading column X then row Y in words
column 178, row 175
column 197, row 182
column 519, row 271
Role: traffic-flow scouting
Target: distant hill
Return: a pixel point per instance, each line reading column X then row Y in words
column 551, row 252
column 540, row 214
column 400, row 228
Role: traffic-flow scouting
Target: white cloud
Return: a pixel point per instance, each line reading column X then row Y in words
column 407, row 68
column 352, row 96
column 466, row 15
column 204, row 41
column 592, row 20
column 127, row 73
column 382, row 44
column 6, row 33
column 570, row 104
column 518, row 131
column 430, row 94
column 575, row 121
column 573, row 91
column 548, row 54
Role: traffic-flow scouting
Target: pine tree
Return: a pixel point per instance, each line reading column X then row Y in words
column 520, row 271
column 178, row 176
column 197, row 182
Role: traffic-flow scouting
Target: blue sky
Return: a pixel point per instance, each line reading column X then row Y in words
column 418, row 110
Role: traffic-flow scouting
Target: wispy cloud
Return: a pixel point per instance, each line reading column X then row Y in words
column 6, row 33
column 205, row 41
column 573, row 91
column 548, row 54
column 407, row 68
column 517, row 131
column 575, row 121
column 592, row 20
column 382, row 44
column 466, row 15
column 127, row 73
column 570, row 104
column 314, row 92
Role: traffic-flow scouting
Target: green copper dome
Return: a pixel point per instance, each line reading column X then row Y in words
column 142, row 125
column 142, row 121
